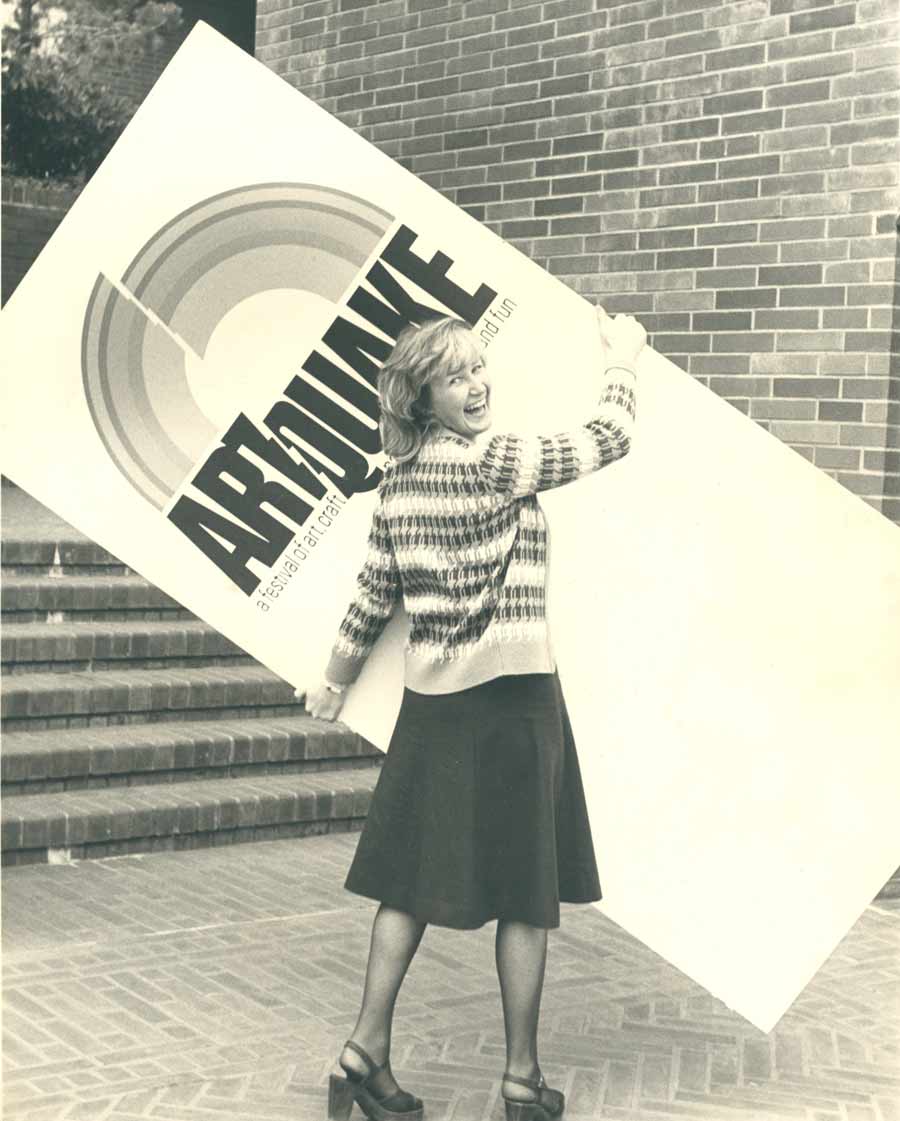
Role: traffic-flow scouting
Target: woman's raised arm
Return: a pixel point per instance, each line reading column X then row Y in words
column 517, row 465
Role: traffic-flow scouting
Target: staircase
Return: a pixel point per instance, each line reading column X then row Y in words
column 131, row 726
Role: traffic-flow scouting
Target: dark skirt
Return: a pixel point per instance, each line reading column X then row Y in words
column 479, row 809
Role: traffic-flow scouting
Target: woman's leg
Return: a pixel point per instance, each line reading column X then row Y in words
column 395, row 939
column 521, row 955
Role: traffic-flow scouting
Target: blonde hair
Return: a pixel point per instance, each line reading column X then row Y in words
column 420, row 355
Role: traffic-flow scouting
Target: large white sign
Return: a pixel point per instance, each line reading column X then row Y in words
column 189, row 380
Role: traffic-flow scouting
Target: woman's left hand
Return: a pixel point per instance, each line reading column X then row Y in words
column 321, row 702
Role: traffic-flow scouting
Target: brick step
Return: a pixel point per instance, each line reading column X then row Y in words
column 35, row 701
column 57, row 647
column 83, row 824
column 94, row 758
column 35, row 540
column 57, row 571
column 85, row 598
column 66, row 552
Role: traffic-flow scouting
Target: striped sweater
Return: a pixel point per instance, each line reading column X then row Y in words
column 458, row 537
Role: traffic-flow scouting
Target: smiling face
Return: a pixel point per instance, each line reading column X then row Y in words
column 460, row 397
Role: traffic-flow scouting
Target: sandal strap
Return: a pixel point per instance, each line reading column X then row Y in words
column 373, row 1083
column 531, row 1083
column 366, row 1058
column 552, row 1102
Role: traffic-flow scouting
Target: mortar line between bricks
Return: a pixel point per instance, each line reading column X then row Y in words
column 70, row 948
column 208, row 1051
column 83, row 947
column 883, row 911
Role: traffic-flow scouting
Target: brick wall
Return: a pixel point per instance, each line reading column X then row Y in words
column 891, row 505
column 31, row 213
column 134, row 77
column 233, row 18
column 728, row 172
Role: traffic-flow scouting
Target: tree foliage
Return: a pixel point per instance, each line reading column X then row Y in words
column 61, row 113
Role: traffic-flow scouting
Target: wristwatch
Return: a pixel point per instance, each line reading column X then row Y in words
column 338, row 690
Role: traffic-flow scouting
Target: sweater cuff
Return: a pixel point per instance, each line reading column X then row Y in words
column 343, row 669
column 617, row 396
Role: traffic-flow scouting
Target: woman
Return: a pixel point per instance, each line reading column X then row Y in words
column 479, row 810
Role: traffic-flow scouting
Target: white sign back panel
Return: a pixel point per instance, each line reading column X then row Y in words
column 189, row 382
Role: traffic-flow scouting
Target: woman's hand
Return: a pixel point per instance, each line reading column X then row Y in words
column 623, row 336
column 321, row 702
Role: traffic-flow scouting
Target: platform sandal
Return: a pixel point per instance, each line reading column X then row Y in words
column 371, row 1092
column 546, row 1105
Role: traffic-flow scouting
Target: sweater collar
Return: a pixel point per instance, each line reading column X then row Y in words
column 442, row 432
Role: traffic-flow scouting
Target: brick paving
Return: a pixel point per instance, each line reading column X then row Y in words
column 220, row 983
